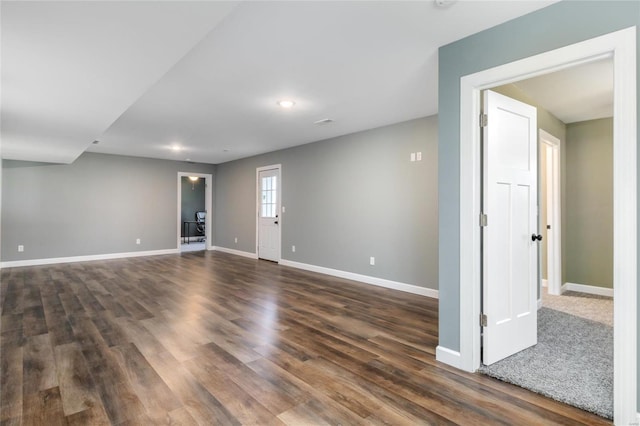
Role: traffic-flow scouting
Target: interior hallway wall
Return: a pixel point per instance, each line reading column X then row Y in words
column 588, row 258
column 97, row 205
column 346, row 199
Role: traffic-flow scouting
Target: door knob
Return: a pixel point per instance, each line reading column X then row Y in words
column 276, row 222
column 535, row 237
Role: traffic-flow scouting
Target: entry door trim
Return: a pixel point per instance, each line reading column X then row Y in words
column 621, row 45
column 257, row 210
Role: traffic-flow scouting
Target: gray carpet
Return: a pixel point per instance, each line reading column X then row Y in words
column 572, row 363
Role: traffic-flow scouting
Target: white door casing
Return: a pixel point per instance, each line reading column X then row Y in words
column 269, row 201
column 621, row 45
column 510, row 254
column 554, row 254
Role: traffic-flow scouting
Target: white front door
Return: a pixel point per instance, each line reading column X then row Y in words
column 269, row 214
column 510, row 243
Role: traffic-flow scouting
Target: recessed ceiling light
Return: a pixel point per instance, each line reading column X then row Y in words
column 323, row 121
column 286, row 103
column 176, row 147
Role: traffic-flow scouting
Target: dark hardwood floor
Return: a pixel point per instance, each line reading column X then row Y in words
column 211, row 338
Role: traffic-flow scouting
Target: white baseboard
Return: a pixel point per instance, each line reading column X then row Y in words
column 73, row 259
column 236, row 252
column 589, row 289
column 449, row 357
column 381, row 282
column 545, row 283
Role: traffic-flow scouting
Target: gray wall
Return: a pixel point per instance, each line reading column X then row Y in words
column 588, row 258
column 555, row 26
column 193, row 200
column 99, row 204
column 346, row 199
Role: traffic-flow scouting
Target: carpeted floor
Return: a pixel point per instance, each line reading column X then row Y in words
column 572, row 362
column 589, row 306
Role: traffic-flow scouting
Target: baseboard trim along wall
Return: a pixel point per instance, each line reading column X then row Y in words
column 590, row 289
column 236, row 252
column 448, row 356
column 381, row 282
column 73, row 259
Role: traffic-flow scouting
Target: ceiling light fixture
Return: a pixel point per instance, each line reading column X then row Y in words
column 193, row 180
column 176, row 147
column 286, row 103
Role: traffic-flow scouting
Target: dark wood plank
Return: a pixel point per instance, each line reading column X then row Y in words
column 11, row 379
column 43, row 408
column 77, row 387
column 212, row 338
column 39, row 366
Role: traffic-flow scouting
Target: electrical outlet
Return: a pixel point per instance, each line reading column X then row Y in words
column 418, row 156
column 20, row 248
column 235, row 240
column 413, row 156
column 138, row 241
column 282, row 209
column 293, row 249
column 372, row 260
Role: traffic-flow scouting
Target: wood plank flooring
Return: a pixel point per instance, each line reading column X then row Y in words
column 211, row 338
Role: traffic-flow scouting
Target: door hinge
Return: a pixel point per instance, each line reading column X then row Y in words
column 483, row 219
column 483, row 320
column 484, row 119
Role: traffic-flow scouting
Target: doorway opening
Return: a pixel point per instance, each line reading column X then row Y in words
column 194, row 205
column 574, row 331
column 621, row 46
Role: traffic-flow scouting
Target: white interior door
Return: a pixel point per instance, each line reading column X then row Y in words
column 269, row 214
column 510, row 237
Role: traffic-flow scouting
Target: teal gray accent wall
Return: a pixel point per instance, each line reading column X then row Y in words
column 346, row 199
column 99, row 204
column 193, row 200
column 555, row 26
column 588, row 257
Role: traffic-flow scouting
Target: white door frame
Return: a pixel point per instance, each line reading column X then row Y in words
column 621, row 46
column 279, row 195
column 554, row 254
column 208, row 229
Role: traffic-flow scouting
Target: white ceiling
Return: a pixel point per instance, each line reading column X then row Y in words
column 143, row 76
column 580, row 93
